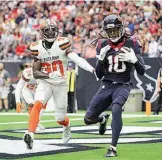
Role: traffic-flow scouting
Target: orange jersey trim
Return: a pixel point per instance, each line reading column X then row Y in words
column 65, row 45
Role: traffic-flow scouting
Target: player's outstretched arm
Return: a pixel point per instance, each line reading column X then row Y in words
column 139, row 65
column 37, row 74
column 81, row 62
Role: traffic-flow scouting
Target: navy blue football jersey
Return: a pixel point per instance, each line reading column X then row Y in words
column 111, row 68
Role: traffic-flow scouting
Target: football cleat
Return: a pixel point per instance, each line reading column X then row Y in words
column 28, row 139
column 102, row 127
column 111, row 153
column 66, row 134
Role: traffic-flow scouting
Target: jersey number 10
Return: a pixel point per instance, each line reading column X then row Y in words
column 115, row 65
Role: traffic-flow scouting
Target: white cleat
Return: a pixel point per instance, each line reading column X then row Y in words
column 28, row 139
column 40, row 128
column 66, row 134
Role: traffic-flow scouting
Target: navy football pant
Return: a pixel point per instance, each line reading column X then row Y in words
column 113, row 95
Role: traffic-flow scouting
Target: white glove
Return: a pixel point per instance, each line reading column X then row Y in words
column 55, row 74
column 103, row 52
column 128, row 55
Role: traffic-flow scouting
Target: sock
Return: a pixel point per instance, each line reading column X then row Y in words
column 65, row 122
column 34, row 116
column 116, row 124
column 103, row 121
column 101, row 118
column 114, row 148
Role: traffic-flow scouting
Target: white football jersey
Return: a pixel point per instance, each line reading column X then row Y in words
column 53, row 59
column 28, row 83
column 27, row 75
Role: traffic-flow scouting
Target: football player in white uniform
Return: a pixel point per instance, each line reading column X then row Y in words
column 25, row 88
column 50, row 68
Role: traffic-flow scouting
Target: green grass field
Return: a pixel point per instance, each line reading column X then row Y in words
column 140, row 139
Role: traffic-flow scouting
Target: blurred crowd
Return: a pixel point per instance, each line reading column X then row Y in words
column 80, row 20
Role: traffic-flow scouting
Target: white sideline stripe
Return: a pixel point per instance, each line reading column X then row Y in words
column 17, row 147
column 95, row 140
column 48, row 114
column 94, row 129
column 82, row 114
column 75, row 119
column 156, row 122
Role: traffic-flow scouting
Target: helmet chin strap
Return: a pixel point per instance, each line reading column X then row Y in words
column 50, row 39
column 114, row 39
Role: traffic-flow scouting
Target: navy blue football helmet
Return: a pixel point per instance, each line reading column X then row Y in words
column 113, row 27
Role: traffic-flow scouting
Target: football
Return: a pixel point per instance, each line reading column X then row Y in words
column 124, row 48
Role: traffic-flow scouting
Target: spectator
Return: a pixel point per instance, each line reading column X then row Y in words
column 4, row 87
column 159, row 92
column 19, row 22
column 21, row 49
column 153, row 48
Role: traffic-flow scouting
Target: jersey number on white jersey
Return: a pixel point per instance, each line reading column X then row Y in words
column 52, row 67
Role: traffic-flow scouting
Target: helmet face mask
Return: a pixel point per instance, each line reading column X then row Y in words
column 49, row 31
column 114, row 32
column 113, row 28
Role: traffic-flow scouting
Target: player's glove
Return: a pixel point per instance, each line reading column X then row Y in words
column 19, row 107
column 103, row 52
column 54, row 75
column 127, row 55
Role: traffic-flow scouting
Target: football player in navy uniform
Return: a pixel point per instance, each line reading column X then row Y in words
column 116, row 56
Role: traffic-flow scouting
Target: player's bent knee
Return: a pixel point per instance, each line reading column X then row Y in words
column 41, row 101
column 88, row 121
column 38, row 104
column 59, row 118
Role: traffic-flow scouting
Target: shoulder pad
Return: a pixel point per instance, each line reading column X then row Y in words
column 34, row 48
column 27, row 74
column 100, row 44
column 64, row 43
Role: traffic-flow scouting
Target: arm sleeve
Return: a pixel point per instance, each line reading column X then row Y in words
column 18, row 89
column 99, row 69
column 99, row 64
column 80, row 62
column 139, row 65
